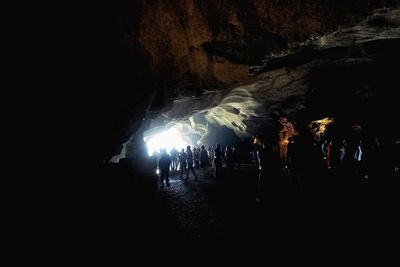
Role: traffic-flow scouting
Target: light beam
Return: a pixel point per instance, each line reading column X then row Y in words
column 168, row 140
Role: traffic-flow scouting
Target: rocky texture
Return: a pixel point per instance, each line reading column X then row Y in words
column 356, row 40
column 153, row 51
column 347, row 74
column 346, row 70
column 208, row 44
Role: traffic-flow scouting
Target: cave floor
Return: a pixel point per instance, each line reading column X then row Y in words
column 227, row 210
column 211, row 211
column 193, row 204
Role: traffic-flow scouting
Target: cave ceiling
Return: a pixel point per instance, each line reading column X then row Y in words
column 242, row 64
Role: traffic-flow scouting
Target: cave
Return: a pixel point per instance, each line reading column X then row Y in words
column 279, row 81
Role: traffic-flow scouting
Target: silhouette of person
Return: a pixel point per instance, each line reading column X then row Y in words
column 236, row 157
column 217, row 161
column 196, row 157
column 261, row 162
column 229, row 157
column 182, row 162
column 203, row 159
column 164, row 163
column 189, row 160
column 174, row 159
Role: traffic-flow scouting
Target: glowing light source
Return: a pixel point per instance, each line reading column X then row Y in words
column 256, row 140
column 319, row 127
column 287, row 131
column 168, row 140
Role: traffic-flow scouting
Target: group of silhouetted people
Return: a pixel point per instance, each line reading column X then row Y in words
column 186, row 161
column 352, row 161
column 305, row 159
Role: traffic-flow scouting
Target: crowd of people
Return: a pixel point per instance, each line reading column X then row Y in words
column 351, row 162
column 185, row 162
column 350, row 158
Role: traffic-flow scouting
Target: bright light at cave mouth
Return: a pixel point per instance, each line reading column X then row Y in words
column 168, row 140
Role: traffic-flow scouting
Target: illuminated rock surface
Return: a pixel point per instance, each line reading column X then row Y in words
column 190, row 46
column 344, row 62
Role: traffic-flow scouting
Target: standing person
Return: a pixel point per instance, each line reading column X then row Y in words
column 335, row 154
column 345, row 156
column 174, row 159
column 253, row 154
column 163, row 164
column 210, row 155
column 203, row 159
column 329, row 153
column 229, row 157
column 196, row 157
column 324, row 149
column 189, row 160
column 261, row 157
column 262, row 170
column 359, row 157
column 217, row 161
column 236, row 157
column 182, row 162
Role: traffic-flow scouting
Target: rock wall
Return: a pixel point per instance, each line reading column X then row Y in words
column 347, row 74
column 153, row 51
column 210, row 43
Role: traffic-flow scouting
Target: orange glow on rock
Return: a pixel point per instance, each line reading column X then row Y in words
column 319, row 127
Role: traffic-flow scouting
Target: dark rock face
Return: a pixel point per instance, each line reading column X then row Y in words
column 346, row 74
column 211, row 43
column 155, row 51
